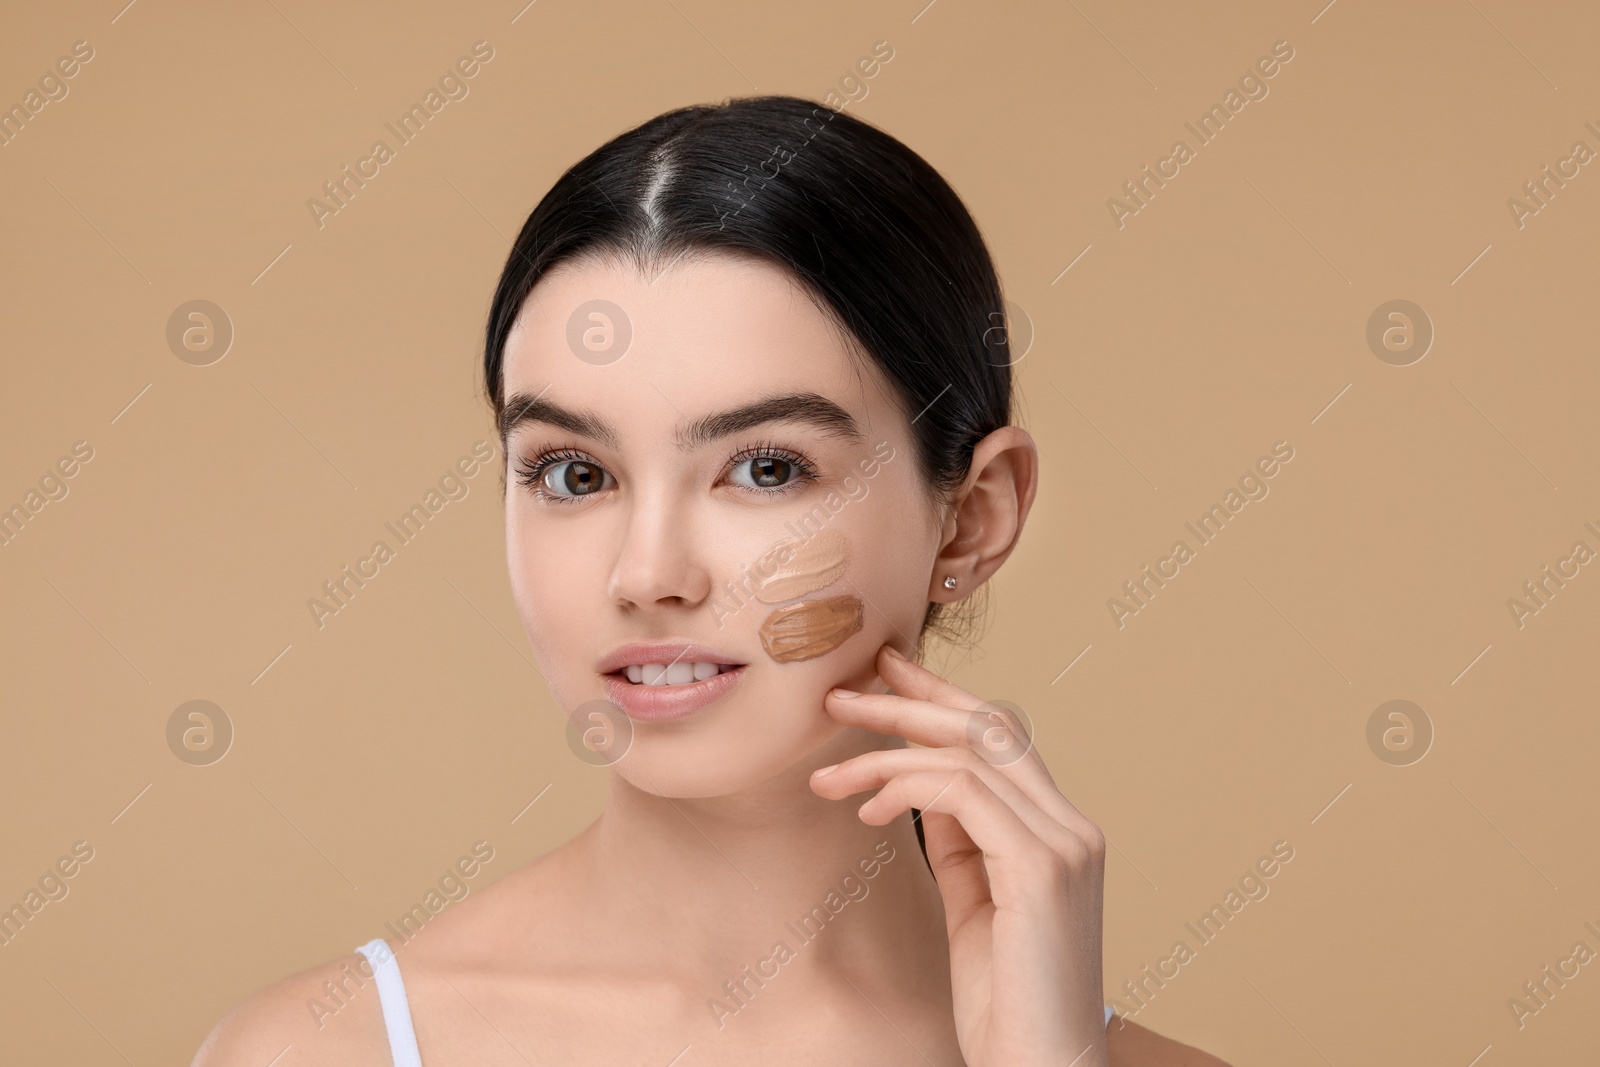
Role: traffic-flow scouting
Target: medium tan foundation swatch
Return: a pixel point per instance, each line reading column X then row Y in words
column 811, row 628
column 795, row 567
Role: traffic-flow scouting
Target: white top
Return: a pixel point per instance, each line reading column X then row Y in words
column 397, row 1012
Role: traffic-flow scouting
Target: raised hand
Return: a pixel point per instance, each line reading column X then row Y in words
column 1020, row 869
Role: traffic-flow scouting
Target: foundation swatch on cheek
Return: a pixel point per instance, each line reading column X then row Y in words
column 811, row 628
column 795, row 567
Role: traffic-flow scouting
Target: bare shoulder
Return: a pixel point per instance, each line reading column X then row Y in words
column 331, row 1014
column 327, row 1014
column 1131, row 1045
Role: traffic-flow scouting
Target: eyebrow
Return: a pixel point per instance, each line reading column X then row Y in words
column 526, row 408
column 810, row 408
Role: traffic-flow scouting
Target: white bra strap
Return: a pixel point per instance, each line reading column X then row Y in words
column 1109, row 1013
column 392, row 999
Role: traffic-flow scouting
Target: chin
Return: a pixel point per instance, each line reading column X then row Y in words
column 712, row 755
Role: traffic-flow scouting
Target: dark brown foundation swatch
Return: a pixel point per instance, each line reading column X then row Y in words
column 811, row 628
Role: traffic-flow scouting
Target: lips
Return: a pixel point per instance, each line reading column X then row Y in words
column 667, row 680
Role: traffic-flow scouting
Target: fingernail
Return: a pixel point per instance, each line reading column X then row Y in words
column 819, row 772
column 895, row 652
column 845, row 694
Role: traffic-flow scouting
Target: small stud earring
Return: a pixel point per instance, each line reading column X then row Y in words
column 950, row 582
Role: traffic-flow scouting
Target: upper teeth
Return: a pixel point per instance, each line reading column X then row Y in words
column 671, row 673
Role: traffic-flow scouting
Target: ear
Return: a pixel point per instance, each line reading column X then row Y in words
column 986, row 514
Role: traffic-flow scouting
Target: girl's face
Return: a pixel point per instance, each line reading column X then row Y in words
column 707, row 490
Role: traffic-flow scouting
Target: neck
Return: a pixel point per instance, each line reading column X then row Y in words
column 695, row 887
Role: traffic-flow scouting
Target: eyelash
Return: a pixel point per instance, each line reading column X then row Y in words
column 530, row 474
column 806, row 471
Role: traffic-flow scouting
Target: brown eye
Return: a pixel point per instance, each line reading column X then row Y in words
column 768, row 472
column 576, row 477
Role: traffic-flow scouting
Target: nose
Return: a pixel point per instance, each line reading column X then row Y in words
column 658, row 564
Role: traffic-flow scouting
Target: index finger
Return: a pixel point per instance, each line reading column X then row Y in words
column 922, row 721
column 936, row 726
column 914, row 680
column 994, row 732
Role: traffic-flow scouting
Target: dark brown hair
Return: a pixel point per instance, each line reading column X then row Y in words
column 872, row 232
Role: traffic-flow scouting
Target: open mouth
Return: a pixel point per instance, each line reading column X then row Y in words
column 681, row 673
column 661, row 680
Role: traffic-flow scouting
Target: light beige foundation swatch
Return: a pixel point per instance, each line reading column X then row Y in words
column 797, row 566
column 811, row 628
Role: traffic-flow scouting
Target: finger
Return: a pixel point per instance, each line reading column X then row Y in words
column 914, row 680
column 957, row 864
column 1015, row 858
column 874, row 769
column 931, row 722
column 1002, row 732
column 937, row 726
column 1005, row 867
column 925, row 722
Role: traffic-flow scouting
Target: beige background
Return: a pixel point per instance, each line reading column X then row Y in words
column 1229, row 314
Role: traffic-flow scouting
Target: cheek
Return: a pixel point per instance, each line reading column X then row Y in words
column 797, row 567
column 553, row 584
column 521, row 563
column 860, row 572
column 811, row 628
column 894, row 558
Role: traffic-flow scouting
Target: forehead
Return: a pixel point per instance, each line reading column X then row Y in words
column 701, row 333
